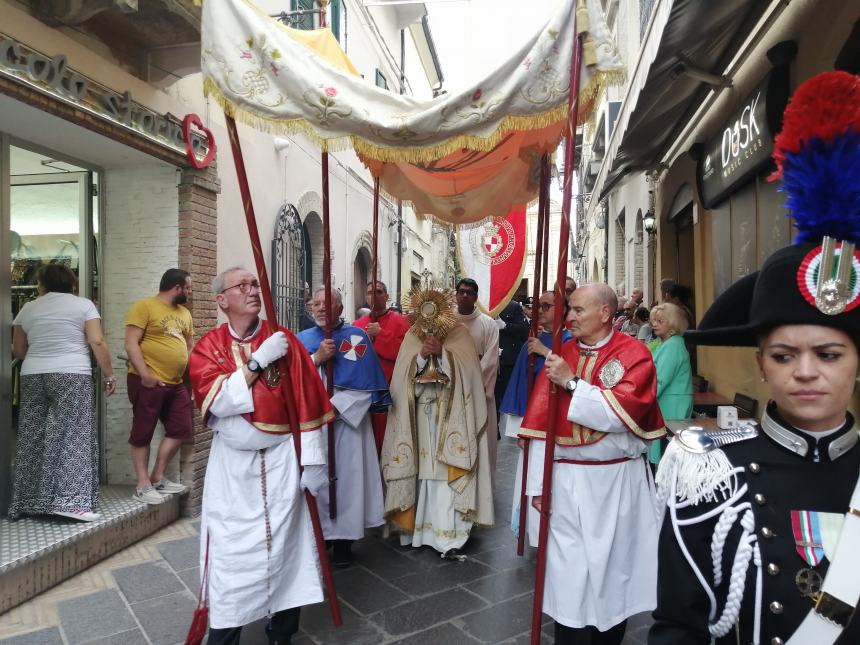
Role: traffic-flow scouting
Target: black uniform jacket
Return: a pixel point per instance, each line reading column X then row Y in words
column 785, row 470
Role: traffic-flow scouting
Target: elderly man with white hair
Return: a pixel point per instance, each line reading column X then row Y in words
column 257, row 551
column 359, row 388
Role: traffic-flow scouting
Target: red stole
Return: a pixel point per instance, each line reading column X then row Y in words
column 624, row 371
column 219, row 354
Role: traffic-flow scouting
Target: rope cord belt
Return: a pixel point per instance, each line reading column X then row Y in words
column 581, row 462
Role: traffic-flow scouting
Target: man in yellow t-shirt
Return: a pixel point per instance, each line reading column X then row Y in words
column 158, row 340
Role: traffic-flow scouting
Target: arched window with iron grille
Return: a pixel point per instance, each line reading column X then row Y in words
column 288, row 267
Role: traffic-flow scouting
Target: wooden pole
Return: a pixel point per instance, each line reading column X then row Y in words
column 558, row 326
column 545, row 272
column 286, row 385
column 374, row 260
column 329, row 325
column 543, row 196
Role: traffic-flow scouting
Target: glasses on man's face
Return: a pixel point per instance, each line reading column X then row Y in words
column 244, row 287
column 546, row 306
column 466, row 292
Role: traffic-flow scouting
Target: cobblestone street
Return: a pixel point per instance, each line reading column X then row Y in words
column 146, row 594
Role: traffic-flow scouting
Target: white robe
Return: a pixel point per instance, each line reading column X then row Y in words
column 245, row 582
column 510, row 427
column 359, row 482
column 603, row 530
column 485, row 335
column 437, row 523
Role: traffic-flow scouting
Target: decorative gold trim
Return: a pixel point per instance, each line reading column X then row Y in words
column 628, row 420
column 284, row 428
column 213, row 391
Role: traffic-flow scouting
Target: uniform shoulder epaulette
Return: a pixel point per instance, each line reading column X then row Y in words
column 695, row 468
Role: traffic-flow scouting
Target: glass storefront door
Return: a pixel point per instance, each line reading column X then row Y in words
column 49, row 216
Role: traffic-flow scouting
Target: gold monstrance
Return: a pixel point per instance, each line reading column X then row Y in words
column 432, row 314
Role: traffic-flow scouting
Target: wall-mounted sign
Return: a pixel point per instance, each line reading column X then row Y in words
column 745, row 143
column 53, row 76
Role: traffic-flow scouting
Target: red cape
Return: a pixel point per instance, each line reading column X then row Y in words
column 633, row 397
column 218, row 354
column 388, row 341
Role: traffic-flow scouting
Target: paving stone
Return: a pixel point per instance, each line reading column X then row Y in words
column 443, row 577
column 504, row 585
column 316, row 623
column 145, row 581
column 386, row 562
column 131, row 637
column 365, row 592
column 166, row 619
column 501, row 621
column 420, row 614
column 191, row 578
column 95, row 615
column 506, row 558
column 446, row 633
column 50, row 636
column 181, row 554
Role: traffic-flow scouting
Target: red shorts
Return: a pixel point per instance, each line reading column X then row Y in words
column 171, row 404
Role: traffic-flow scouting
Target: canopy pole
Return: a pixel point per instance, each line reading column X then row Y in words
column 543, row 195
column 374, row 260
column 286, row 386
column 329, row 325
column 545, row 271
column 558, row 326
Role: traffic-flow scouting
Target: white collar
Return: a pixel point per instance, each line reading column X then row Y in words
column 599, row 343
column 249, row 336
column 475, row 313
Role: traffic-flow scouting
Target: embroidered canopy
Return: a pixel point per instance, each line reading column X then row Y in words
column 461, row 156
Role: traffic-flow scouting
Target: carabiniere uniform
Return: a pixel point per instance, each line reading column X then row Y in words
column 760, row 541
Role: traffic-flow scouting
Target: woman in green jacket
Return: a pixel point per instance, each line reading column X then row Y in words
column 674, row 377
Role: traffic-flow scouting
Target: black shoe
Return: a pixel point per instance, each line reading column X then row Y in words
column 342, row 553
column 454, row 554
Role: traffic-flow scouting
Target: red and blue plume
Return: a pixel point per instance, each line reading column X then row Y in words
column 817, row 156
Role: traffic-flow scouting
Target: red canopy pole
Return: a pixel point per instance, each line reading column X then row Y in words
column 286, row 385
column 543, row 195
column 558, row 321
column 329, row 325
column 374, row 260
column 545, row 272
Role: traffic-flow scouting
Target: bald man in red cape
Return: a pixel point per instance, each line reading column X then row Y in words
column 602, row 545
column 255, row 535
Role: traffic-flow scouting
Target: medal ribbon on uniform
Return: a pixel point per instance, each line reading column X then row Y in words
column 807, row 536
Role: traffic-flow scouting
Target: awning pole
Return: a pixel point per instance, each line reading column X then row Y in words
column 286, row 386
column 543, row 195
column 558, row 327
column 329, row 325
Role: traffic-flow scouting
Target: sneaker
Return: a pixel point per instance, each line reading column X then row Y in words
column 167, row 487
column 82, row 516
column 148, row 495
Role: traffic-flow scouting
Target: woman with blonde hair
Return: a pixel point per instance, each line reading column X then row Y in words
column 672, row 360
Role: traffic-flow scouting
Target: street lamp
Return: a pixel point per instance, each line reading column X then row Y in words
column 649, row 223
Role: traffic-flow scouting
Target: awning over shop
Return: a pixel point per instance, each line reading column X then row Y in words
column 688, row 41
column 461, row 156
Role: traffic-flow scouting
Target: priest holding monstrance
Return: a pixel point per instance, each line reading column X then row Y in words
column 435, row 460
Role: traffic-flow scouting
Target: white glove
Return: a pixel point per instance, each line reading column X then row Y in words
column 501, row 324
column 315, row 478
column 271, row 349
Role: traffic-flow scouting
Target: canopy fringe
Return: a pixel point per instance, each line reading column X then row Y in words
column 414, row 155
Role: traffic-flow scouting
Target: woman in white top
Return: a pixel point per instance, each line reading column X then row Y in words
column 56, row 465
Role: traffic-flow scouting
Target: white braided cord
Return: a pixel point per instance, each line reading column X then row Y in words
column 737, row 581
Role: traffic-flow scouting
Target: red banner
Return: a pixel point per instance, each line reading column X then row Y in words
column 493, row 253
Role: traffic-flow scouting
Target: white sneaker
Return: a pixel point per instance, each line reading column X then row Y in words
column 167, row 487
column 83, row 516
column 148, row 495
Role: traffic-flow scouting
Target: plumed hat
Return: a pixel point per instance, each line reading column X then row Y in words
column 815, row 281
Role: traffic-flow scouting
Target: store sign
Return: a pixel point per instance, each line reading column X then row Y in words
column 53, row 76
column 745, row 143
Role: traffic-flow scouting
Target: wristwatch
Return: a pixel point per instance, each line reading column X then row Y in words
column 254, row 366
column 570, row 386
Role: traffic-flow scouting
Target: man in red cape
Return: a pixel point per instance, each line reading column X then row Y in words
column 602, row 544
column 387, row 333
column 256, row 539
